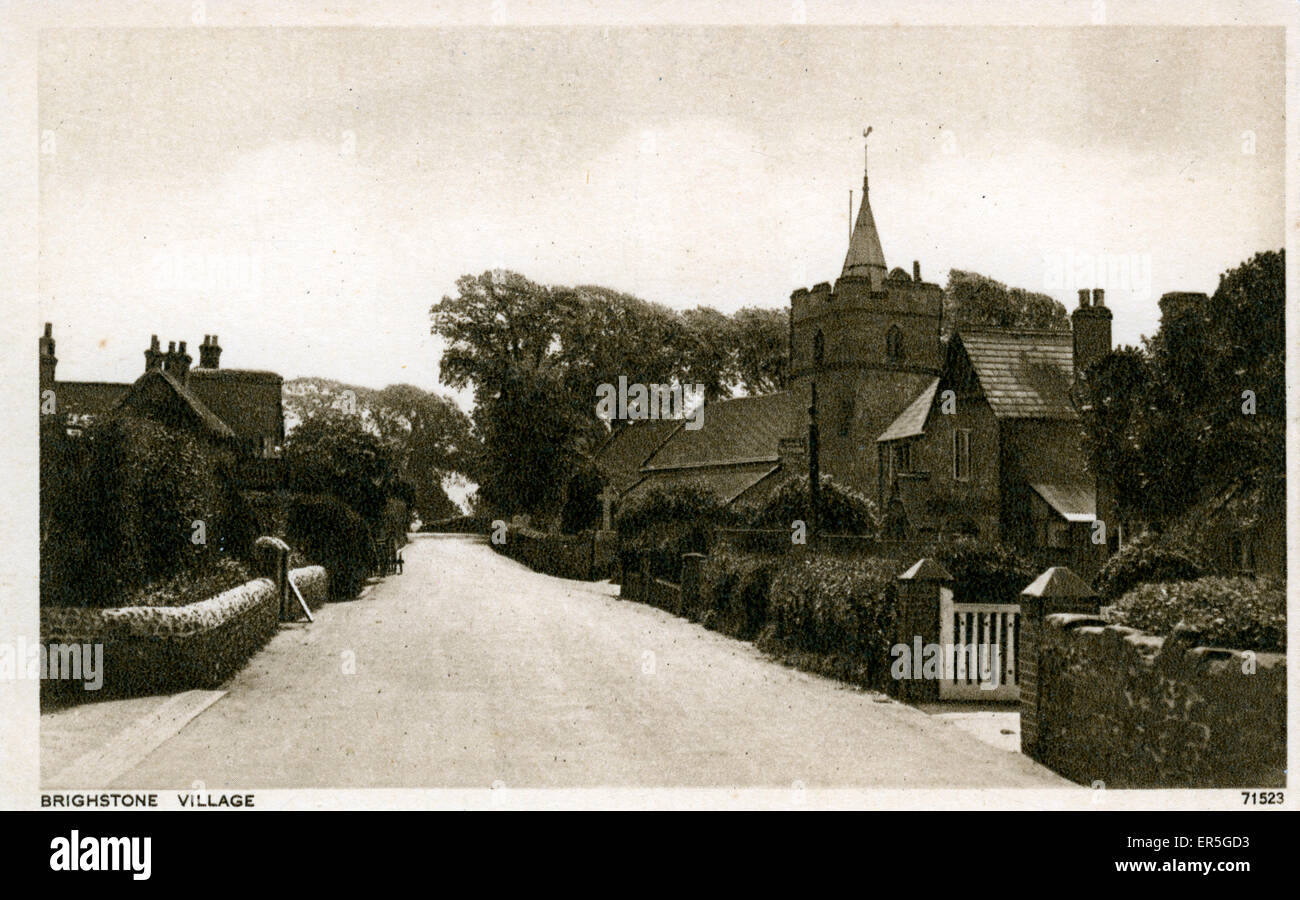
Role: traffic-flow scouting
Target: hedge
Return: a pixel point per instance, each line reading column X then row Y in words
column 313, row 583
column 983, row 571
column 667, row 521
column 835, row 616
column 1150, row 559
column 842, row 509
column 734, row 592
column 151, row 649
column 332, row 534
column 1239, row 613
column 132, row 502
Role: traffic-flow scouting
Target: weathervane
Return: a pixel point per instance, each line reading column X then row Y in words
column 865, row 135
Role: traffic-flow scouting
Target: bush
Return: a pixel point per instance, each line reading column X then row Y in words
column 983, row 571
column 1238, row 613
column 122, row 511
column 667, row 521
column 1150, row 559
column 332, row 534
column 835, row 614
column 734, row 592
column 843, row 510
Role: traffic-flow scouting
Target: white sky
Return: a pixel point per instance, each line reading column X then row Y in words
column 351, row 175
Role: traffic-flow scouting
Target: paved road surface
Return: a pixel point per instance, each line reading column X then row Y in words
column 470, row 669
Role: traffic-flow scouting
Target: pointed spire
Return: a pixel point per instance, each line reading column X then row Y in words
column 866, row 258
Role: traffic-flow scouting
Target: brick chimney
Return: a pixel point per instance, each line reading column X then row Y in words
column 48, row 359
column 177, row 361
column 153, row 357
column 209, row 352
column 916, row 270
column 1091, row 326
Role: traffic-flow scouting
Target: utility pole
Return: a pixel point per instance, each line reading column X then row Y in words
column 814, row 470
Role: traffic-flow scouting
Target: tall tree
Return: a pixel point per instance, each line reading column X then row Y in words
column 971, row 299
column 762, row 348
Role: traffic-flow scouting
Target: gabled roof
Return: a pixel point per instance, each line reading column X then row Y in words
column 1024, row 374
column 1058, row 581
column 248, row 401
column 746, row 429
column 911, row 422
column 206, row 417
column 87, row 398
column 622, row 454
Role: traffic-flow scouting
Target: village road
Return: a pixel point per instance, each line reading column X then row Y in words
column 469, row 670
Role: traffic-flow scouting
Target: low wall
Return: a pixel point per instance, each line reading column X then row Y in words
column 313, row 583
column 642, row 587
column 1122, row 707
column 150, row 649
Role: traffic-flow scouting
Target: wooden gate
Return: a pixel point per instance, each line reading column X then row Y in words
column 981, row 643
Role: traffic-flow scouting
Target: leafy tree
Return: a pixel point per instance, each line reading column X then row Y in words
column 335, row 453
column 762, row 347
column 707, row 352
column 1109, row 395
column 971, row 299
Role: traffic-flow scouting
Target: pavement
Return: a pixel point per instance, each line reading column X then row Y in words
column 470, row 670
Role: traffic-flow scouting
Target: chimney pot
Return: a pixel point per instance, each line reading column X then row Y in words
column 1098, row 296
column 1083, row 298
column 49, row 329
column 916, row 270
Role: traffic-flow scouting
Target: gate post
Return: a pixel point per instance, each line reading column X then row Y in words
column 1057, row 590
column 918, row 624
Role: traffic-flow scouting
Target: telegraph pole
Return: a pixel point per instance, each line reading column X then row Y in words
column 814, row 470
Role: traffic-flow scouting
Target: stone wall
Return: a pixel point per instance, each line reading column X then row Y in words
column 1115, row 705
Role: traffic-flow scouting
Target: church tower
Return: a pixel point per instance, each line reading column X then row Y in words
column 872, row 345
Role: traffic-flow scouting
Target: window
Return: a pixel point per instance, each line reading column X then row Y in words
column 961, row 454
column 894, row 344
column 902, row 457
column 819, row 348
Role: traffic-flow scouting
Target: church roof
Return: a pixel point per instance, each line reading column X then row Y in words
column 620, row 457
column 866, row 258
column 1024, row 374
column 729, row 483
column 743, row 430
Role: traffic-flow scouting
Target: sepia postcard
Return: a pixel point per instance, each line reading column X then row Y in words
column 519, row 405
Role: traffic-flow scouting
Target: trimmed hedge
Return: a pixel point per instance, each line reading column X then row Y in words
column 843, row 510
column 332, row 534
column 665, row 522
column 983, row 571
column 1238, row 613
column 149, row 649
column 734, row 593
column 834, row 616
column 1150, row 559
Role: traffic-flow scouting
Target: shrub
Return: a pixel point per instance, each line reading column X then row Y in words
column 1239, row 613
column 1148, row 560
column 843, row 510
column 734, row 592
column 983, row 571
column 123, row 505
column 837, row 613
column 667, row 521
column 332, row 534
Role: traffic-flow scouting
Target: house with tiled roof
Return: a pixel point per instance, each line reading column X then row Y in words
column 236, row 408
column 994, row 446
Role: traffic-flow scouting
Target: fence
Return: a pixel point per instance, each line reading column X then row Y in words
column 985, row 642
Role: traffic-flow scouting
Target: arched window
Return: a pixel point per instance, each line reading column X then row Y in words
column 819, row 348
column 894, row 343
